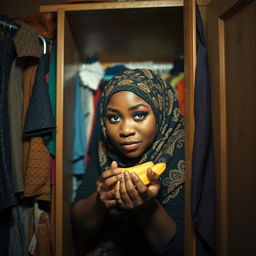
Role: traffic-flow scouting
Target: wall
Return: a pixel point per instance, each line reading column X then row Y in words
column 17, row 8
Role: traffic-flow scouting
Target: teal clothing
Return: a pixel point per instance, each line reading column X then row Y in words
column 51, row 145
column 79, row 142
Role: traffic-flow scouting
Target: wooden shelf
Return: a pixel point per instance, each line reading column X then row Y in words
column 111, row 5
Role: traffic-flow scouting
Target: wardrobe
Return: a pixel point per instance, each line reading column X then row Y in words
column 160, row 30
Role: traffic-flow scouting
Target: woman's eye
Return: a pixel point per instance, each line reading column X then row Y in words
column 114, row 118
column 140, row 116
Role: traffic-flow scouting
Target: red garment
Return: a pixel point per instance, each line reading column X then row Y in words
column 181, row 95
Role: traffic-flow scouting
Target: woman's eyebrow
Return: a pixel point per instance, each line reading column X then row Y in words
column 138, row 106
column 131, row 108
column 112, row 110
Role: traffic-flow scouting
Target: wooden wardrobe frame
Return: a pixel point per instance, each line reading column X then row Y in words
column 60, row 230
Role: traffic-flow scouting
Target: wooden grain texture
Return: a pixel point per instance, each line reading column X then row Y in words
column 232, row 58
column 67, row 14
column 111, row 5
column 59, row 135
column 190, row 66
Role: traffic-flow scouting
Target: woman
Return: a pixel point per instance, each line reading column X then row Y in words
column 140, row 122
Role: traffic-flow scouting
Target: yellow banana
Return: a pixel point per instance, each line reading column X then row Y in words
column 141, row 170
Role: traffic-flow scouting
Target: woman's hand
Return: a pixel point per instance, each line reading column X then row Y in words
column 130, row 191
column 106, row 185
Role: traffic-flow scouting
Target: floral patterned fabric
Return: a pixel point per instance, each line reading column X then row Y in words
column 121, row 233
column 168, row 146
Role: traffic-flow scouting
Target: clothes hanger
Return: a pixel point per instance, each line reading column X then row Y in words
column 8, row 25
column 12, row 26
column 44, row 43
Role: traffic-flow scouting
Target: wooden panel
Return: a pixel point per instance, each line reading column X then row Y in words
column 231, row 45
column 114, row 5
column 72, row 61
column 129, row 34
column 240, row 54
column 113, row 30
column 67, row 66
column 190, row 66
column 216, row 66
column 59, row 136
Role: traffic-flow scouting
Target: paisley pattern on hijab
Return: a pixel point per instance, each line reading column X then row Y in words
column 168, row 145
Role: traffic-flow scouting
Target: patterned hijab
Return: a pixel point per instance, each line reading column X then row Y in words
column 168, row 145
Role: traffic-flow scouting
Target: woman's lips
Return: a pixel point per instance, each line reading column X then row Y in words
column 130, row 146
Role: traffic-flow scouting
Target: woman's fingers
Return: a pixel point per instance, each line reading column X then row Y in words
column 154, row 179
column 109, row 178
column 141, row 188
column 113, row 165
column 110, row 182
column 127, row 196
column 123, row 192
column 110, row 204
column 107, row 197
column 131, row 192
column 152, row 176
column 112, row 171
column 118, row 195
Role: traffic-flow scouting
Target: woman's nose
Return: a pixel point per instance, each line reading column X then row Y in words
column 127, row 129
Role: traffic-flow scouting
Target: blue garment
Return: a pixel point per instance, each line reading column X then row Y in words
column 112, row 71
column 79, row 146
column 39, row 118
column 203, row 178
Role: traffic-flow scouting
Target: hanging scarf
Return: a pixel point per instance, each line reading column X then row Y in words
column 168, row 145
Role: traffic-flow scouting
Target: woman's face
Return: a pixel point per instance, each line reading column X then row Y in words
column 130, row 123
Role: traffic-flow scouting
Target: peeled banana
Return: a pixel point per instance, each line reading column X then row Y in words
column 141, row 170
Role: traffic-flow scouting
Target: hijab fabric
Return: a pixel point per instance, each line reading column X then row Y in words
column 168, row 145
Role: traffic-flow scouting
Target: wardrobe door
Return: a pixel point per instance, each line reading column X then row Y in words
column 189, row 69
column 232, row 59
column 68, row 60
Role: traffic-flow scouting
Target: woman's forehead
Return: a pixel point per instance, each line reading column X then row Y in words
column 127, row 99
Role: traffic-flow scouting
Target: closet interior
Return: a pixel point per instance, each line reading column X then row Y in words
column 135, row 33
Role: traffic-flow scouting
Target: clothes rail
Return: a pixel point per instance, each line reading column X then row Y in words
column 160, row 68
column 13, row 26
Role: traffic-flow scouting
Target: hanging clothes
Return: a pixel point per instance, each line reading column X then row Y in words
column 27, row 46
column 79, row 138
column 203, row 178
column 177, row 81
column 86, row 85
column 22, row 69
column 51, row 80
column 18, row 236
column 7, row 195
column 39, row 117
column 7, row 56
column 37, row 159
column 39, row 232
